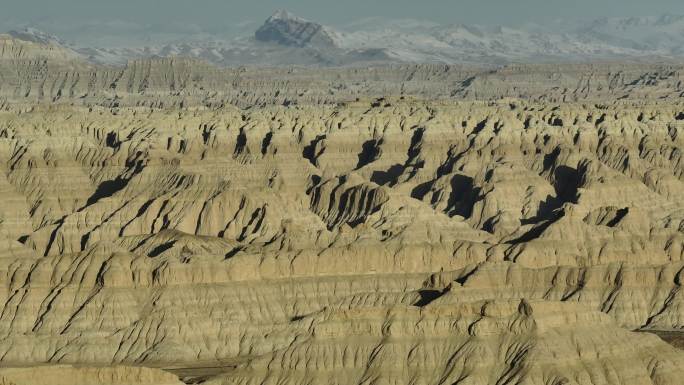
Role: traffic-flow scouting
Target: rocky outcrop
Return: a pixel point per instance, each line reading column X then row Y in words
column 380, row 240
column 289, row 30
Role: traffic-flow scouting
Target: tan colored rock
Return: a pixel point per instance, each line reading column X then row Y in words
column 490, row 342
column 498, row 232
column 71, row 375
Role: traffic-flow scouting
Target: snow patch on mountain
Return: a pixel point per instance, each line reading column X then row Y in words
column 287, row 39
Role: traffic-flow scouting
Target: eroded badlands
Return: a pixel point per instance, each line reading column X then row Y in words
column 394, row 242
column 173, row 222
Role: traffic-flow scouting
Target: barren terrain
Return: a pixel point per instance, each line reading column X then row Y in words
column 174, row 221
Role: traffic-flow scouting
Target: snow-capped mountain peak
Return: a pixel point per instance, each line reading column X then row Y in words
column 35, row 35
column 283, row 14
column 286, row 29
column 287, row 39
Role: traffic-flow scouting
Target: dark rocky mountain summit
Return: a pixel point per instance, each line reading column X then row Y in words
column 289, row 30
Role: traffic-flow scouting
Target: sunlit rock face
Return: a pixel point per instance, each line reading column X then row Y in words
column 275, row 233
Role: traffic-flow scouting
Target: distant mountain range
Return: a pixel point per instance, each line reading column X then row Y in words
column 286, row 39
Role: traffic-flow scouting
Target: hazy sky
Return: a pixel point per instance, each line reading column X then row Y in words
column 339, row 11
column 217, row 15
